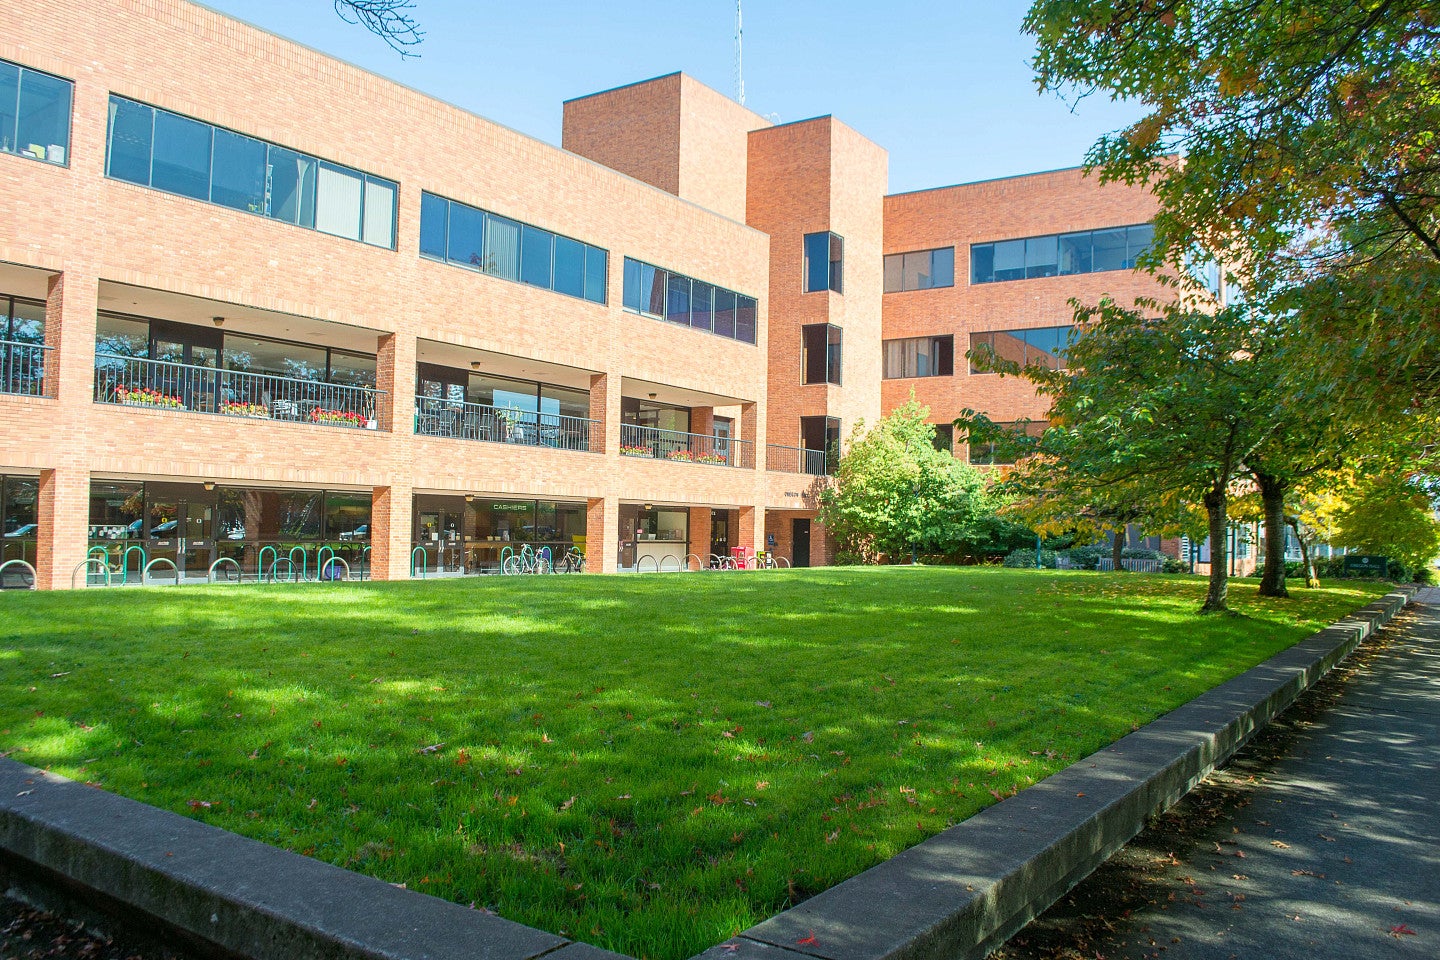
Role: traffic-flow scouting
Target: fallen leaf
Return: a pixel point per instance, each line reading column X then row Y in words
column 1401, row 931
column 809, row 941
column 1280, row 843
column 567, row 804
column 433, row 748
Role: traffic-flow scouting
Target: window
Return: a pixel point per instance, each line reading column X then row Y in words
column 1042, row 346
column 505, row 248
column 995, row 453
column 666, row 295
column 824, row 262
column 167, row 151
column 1068, row 254
column 820, row 441
column 35, row 114
column 22, row 352
column 922, row 270
column 820, row 353
column 920, row 357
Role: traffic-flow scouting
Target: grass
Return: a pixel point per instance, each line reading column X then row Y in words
column 650, row 764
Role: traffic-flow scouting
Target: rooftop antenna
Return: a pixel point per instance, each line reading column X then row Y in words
column 739, row 62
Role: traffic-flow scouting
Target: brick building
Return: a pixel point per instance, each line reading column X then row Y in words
column 262, row 309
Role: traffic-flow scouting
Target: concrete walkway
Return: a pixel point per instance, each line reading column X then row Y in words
column 1332, row 849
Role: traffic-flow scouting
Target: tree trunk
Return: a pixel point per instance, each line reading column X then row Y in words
column 1311, row 580
column 1272, row 495
column 1117, row 548
column 1219, row 588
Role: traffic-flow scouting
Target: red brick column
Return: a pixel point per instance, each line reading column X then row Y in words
column 395, row 375
column 391, row 532
column 70, row 305
column 750, row 430
column 700, row 533
column 64, row 515
column 750, row 530
column 604, row 408
column 602, row 535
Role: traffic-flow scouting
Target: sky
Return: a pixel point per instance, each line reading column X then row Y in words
column 944, row 85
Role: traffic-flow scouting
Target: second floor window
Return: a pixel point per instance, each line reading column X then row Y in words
column 820, row 353
column 34, row 114
column 824, row 262
column 920, row 357
column 922, row 270
column 1041, row 346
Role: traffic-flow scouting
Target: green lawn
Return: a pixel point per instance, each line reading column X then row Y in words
column 650, row 764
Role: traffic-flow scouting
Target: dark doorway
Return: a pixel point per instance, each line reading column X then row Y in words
column 800, row 543
column 720, row 533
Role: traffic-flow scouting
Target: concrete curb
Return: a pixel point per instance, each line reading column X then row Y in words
column 963, row 892
column 956, row 895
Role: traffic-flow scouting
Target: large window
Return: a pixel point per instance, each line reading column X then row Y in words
column 35, row 114
column 164, row 150
column 666, row 295
column 920, row 357
column 995, row 454
column 824, row 262
column 1042, row 346
column 1067, row 254
column 820, row 353
column 478, row 240
column 921, row 270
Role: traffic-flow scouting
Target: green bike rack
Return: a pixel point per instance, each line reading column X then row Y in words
column 304, row 568
column 125, row 562
column 423, row 565
column 260, row 563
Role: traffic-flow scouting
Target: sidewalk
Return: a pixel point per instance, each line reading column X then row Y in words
column 1324, row 842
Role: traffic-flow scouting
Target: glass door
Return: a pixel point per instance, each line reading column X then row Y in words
column 195, row 353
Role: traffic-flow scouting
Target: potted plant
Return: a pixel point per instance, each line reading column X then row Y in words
column 239, row 408
column 342, row 417
column 146, row 397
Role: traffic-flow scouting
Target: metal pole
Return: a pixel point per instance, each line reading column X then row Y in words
column 1038, row 564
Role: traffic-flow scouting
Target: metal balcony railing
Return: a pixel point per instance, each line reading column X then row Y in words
column 22, row 368
column 160, row 384
column 638, row 441
column 435, row 417
column 784, row 459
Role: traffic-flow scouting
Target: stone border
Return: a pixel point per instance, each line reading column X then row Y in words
column 963, row 892
column 956, row 895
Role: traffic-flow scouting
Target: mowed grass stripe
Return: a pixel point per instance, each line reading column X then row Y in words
column 650, row 764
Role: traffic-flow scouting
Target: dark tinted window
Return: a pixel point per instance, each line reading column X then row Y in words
column 182, row 156
column 1090, row 251
column 683, row 300
column 238, row 174
column 434, row 221
column 131, row 127
column 536, row 248
column 41, row 116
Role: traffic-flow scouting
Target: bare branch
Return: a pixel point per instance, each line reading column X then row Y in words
column 390, row 20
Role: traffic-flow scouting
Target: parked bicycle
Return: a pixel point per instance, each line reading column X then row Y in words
column 572, row 562
column 528, row 560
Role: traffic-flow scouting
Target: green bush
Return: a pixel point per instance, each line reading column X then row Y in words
column 1088, row 557
column 1025, row 557
column 1171, row 565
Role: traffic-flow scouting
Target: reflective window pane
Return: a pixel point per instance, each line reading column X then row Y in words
column 467, row 236
column 182, row 156
column 1139, row 239
column 347, row 516
column 656, row 282
column 536, row 248
column 982, row 263
column 1010, row 260
column 238, row 175
column 596, row 260
column 677, row 306
column 43, row 123
column 569, row 266
column 121, row 336
column 893, row 264
column 1109, row 249
column 293, row 360
column 702, row 305
column 1075, row 254
column 434, row 213
column 1040, row 257
column 633, row 297
column 725, row 313
column 339, row 196
column 9, row 102
column 942, row 267
column 817, row 262
column 131, row 129
column 745, row 319
column 352, row 369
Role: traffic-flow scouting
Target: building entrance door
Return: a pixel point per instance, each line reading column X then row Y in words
column 719, row 533
column 800, row 543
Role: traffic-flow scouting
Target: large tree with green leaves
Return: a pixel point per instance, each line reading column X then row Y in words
column 896, row 495
column 1298, row 142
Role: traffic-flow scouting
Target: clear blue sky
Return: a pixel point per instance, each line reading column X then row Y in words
column 944, row 86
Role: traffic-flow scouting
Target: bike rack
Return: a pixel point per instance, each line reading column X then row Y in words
column 169, row 563
column 549, row 558
column 660, row 567
column 752, row 562
column 125, row 562
column 82, row 565
column 365, row 563
column 34, row 576
column 505, row 554
column 320, row 571
column 423, row 563
column 320, row 558
column 653, row 562
column 275, row 566
column 304, row 567
column 260, row 562
column 698, row 565
column 210, row 574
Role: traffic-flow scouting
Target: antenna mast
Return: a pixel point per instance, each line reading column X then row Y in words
column 739, row 63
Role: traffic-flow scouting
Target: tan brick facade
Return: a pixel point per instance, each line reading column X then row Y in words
column 703, row 186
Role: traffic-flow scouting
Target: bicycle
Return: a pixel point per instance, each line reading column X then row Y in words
column 528, row 560
column 766, row 560
column 572, row 562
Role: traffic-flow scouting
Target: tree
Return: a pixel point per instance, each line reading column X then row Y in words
column 1163, row 408
column 390, row 20
column 1391, row 515
column 1311, row 158
column 896, row 495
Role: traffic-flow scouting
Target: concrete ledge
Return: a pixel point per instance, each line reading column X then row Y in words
column 957, row 894
column 963, row 892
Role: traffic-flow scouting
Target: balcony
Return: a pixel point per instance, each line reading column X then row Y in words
column 163, row 385
column 783, row 459
column 22, row 368
column 658, row 444
column 477, row 421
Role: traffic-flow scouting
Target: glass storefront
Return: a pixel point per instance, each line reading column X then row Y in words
column 650, row 537
column 458, row 536
column 284, row 534
column 19, row 516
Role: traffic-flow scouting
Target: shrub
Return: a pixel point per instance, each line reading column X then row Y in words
column 1025, row 557
column 1088, row 557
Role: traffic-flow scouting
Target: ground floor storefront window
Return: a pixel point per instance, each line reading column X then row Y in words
column 473, row 535
column 19, row 511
